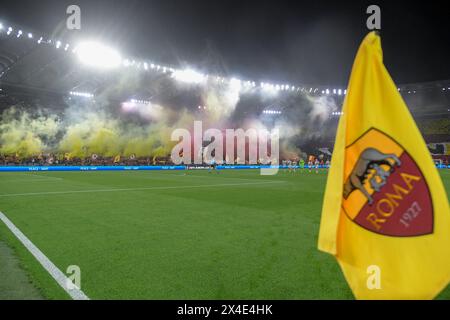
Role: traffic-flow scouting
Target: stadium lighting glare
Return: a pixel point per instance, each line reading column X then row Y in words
column 81, row 94
column 98, row 55
column 139, row 101
column 235, row 83
column 267, row 87
column 271, row 112
column 188, row 76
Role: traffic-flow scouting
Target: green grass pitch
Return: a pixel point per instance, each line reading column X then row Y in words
column 176, row 234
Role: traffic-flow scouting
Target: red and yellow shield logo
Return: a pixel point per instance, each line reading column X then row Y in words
column 384, row 190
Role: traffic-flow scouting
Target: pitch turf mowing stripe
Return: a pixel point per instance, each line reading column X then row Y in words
column 242, row 242
column 187, row 174
column 138, row 189
column 57, row 274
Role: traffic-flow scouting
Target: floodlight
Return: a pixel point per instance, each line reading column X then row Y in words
column 98, row 55
column 188, row 76
column 235, row 83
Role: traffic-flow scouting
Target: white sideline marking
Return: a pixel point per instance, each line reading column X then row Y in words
column 136, row 189
column 35, row 178
column 209, row 177
column 31, row 180
column 152, row 175
column 53, row 270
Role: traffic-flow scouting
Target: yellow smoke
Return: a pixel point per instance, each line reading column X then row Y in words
column 24, row 134
column 99, row 134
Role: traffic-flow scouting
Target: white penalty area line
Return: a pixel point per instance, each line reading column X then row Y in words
column 138, row 189
column 53, row 270
column 30, row 178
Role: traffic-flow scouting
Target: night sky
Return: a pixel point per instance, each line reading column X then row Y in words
column 311, row 42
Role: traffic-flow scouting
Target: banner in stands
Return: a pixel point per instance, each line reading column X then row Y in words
column 88, row 168
column 124, row 168
column 442, row 148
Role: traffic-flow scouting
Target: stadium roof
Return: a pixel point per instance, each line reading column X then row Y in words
column 31, row 62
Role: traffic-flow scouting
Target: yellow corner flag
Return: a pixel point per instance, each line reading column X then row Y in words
column 385, row 215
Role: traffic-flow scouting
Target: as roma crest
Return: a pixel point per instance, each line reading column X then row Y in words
column 384, row 190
